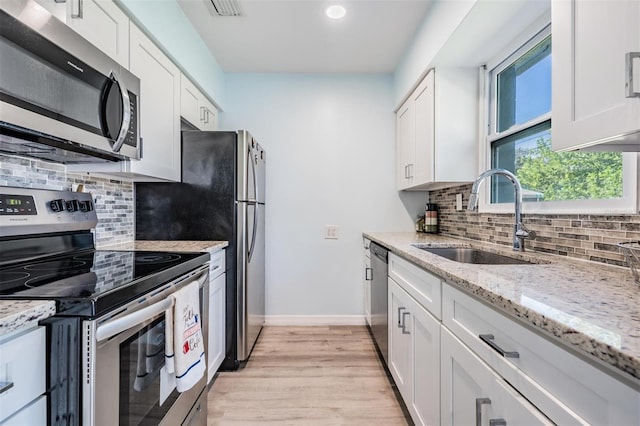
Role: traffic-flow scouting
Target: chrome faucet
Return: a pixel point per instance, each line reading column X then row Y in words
column 519, row 230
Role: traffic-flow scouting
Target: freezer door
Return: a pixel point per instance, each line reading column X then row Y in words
column 251, row 276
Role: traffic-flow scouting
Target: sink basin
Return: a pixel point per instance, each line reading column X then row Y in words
column 474, row 256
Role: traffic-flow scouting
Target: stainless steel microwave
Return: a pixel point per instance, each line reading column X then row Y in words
column 61, row 98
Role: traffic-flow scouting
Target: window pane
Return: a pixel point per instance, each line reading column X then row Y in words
column 553, row 176
column 524, row 87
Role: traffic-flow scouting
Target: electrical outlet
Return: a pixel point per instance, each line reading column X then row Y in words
column 459, row 202
column 331, row 232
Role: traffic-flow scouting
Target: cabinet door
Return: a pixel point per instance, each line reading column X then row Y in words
column 590, row 42
column 405, row 143
column 191, row 103
column 472, row 394
column 399, row 340
column 424, row 403
column 216, row 349
column 159, row 109
column 209, row 115
column 33, row 414
column 103, row 24
column 423, row 103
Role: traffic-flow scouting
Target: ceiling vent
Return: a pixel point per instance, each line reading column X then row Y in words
column 227, row 7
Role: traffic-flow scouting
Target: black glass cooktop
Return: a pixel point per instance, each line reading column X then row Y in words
column 91, row 282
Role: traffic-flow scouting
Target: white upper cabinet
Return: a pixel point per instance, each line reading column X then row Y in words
column 195, row 108
column 100, row 22
column 159, row 118
column 437, row 131
column 596, row 75
column 159, row 110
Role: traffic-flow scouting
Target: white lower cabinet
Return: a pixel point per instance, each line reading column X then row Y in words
column 472, row 394
column 414, row 355
column 22, row 378
column 216, row 337
column 478, row 366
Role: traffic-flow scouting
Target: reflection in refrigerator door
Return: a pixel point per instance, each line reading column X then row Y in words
column 221, row 198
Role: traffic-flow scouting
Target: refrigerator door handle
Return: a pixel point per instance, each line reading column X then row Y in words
column 253, row 235
column 253, row 172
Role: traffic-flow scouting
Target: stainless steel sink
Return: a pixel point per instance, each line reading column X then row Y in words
column 474, row 256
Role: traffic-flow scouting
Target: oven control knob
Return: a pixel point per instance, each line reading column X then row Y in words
column 57, row 205
column 72, row 206
column 86, row 206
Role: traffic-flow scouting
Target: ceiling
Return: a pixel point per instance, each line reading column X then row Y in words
column 295, row 36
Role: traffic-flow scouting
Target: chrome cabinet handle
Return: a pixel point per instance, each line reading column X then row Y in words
column 203, row 111
column 479, row 403
column 497, row 422
column 206, row 115
column 368, row 274
column 404, row 331
column 488, row 339
column 80, row 13
column 126, row 112
column 629, row 57
column 5, row 386
column 400, row 309
column 410, row 170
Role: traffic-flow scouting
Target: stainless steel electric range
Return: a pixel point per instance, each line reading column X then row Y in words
column 105, row 361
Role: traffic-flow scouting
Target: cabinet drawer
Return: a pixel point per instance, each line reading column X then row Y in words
column 22, row 362
column 566, row 388
column 420, row 284
column 217, row 263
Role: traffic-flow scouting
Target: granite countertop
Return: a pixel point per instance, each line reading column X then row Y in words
column 184, row 246
column 592, row 308
column 17, row 314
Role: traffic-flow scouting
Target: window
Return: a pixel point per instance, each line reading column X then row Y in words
column 519, row 140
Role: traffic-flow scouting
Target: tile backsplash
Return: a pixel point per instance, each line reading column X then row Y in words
column 582, row 236
column 113, row 198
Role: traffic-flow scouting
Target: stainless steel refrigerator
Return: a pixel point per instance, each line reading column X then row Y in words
column 221, row 197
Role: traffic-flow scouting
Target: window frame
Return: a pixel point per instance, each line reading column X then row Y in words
column 628, row 204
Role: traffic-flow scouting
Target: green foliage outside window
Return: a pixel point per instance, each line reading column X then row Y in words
column 569, row 175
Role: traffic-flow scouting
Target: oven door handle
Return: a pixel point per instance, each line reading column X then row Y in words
column 111, row 328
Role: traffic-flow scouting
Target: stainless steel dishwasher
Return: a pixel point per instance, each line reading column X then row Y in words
column 379, row 284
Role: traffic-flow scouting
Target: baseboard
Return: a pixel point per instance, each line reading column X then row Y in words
column 315, row 320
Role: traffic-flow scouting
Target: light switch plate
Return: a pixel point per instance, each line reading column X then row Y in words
column 459, row 202
column 331, row 232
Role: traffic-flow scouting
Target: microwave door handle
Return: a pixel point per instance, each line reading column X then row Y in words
column 111, row 328
column 126, row 112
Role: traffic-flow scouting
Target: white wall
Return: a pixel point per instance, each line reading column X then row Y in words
column 166, row 23
column 330, row 142
column 441, row 21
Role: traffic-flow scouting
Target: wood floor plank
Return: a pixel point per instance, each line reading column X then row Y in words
column 319, row 375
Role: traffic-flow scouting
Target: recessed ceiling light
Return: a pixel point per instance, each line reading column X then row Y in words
column 336, row 11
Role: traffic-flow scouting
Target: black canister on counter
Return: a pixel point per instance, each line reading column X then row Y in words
column 431, row 218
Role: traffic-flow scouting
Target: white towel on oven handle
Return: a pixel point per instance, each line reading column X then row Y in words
column 184, row 343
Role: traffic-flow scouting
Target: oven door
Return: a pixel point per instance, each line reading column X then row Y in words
column 126, row 381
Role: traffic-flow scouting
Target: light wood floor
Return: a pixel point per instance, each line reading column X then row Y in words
column 307, row 376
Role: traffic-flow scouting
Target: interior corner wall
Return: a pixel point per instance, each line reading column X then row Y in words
column 439, row 24
column 330, row 143
column 165, row 23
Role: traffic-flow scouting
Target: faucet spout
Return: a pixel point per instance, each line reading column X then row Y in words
column 519, row 231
